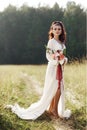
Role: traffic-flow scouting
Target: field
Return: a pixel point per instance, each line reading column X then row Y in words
column 17, row 84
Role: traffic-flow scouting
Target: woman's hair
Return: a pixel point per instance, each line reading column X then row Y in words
column 62, row 36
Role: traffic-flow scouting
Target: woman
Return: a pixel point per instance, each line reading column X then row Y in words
column 53, row 93
column 57, row 38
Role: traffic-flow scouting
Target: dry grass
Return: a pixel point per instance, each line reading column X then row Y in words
column 13, row 88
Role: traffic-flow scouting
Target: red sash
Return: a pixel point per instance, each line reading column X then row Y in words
column 59, row 75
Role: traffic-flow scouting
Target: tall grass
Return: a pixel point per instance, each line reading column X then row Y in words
column 13, row 88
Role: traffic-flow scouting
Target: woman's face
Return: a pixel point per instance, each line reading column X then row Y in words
column 57, row 30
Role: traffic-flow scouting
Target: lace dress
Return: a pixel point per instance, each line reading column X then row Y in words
column 49, row 90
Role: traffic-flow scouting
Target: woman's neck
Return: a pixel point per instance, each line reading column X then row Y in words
column 57, row 39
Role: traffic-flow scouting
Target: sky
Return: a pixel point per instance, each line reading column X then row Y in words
column 34, row 3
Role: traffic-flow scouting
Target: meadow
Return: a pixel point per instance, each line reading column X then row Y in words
column 16, row 86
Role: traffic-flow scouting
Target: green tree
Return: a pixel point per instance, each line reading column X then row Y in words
column 24, row 32
column 75, row 21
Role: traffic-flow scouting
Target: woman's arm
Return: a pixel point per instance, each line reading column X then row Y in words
column 50, row 56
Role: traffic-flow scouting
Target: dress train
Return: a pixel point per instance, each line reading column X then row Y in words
column 39, row 107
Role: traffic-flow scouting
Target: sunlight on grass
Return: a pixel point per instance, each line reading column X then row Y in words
column 14, row 87
column 75, row 81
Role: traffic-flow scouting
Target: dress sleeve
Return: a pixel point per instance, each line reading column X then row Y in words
column 65, row 59
column 49, row 56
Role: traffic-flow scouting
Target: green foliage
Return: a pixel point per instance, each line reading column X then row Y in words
column 75, row 21
column 64, row 52
column 24, row 31
column 79, row 118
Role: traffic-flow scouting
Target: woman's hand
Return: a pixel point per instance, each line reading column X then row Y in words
column 53, row 56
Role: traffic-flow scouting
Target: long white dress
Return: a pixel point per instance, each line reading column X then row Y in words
column 50, row 88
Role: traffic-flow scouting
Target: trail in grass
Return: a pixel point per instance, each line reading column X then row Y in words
column 58, row 124
column 34, row 82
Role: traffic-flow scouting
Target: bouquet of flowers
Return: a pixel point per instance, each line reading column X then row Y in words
column 58, row 54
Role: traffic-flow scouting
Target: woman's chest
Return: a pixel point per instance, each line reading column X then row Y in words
column 57, row 46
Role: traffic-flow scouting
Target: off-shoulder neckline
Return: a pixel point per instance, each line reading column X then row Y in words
column 57, row 41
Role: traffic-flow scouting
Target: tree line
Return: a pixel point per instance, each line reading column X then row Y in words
column 24, row 32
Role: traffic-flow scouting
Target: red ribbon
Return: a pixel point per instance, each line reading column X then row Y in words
column 59, row 75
